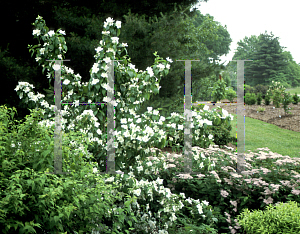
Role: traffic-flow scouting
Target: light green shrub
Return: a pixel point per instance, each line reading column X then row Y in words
column 32, row 201
column 283, row 218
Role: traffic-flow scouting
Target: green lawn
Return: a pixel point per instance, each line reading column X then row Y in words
column 259, row 134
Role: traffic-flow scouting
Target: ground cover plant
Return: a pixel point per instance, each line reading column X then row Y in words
column 149, row 197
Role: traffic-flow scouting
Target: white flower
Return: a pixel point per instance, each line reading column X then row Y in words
column 115, row 40
column 56, row 67
column 161, row 66
column 140, row 168
column 95, row 68
column 109, row 20
column 118, row 24
column 62, row 32
column 149, row 109
column 95, row 81
column 105, row 32
column 205, row 202
column 137, row 192
column 159, row 181
column 150, row 71
column 110, row 179
column 169, row 60
column 95, row 169
column 51, row 33
column 66, row 82
column 98, row 49
column 37, row 32
column 199, row 209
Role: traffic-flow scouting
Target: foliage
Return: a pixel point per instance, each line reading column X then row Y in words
column 218, row 92
column 296, row 99
column 259, row 88
column 197, row 33
column 292, row 70
column 163, row 208
column 250, row 98
column 230, row 94
column 267, row 99
column 287, row 99
column 27, row 191
column 283, row 218
column 83, row 19
column 259, row 98
column 249, row 89
column 269, row 63
column 260, row 109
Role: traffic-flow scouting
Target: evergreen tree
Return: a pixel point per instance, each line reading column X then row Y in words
column 269, row 63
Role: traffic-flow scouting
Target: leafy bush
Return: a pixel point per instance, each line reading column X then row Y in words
column 249, row 89
column 259, row 98
column 261, row 89
column 230, row 94
column 250, row 99
column 267, row 100
column 221, row 129
column 283, row 218
column 32, row 200
column 295, row 99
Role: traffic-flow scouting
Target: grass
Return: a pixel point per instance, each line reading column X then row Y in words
column 281, row 141
column 293, row 90
column 278, row 140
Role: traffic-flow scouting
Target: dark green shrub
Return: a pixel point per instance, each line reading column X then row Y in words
column 250, row 99
column 261, row 89
column 249, row 89
column 259, row 98
column 267, row 100
column 295, row 99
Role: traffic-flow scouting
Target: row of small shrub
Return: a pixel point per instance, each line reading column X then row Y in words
column 251, row 99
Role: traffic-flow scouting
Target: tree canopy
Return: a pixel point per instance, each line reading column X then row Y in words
column 270, row 62
column 146, row 28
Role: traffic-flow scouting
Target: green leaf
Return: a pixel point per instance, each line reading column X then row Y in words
column 131, row 74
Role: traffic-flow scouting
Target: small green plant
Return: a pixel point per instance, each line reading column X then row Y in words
column 259, row 98
column 260, row 109
column 295, row 99
column 267, row 100
column 287, row 99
